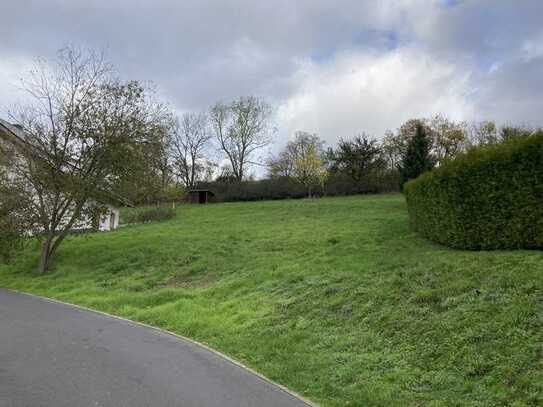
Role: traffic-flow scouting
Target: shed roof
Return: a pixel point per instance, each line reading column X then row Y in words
column 201, row 190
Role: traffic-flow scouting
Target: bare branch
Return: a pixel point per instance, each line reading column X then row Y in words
column 241, row 129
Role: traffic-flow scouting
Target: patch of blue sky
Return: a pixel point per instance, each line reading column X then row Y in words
column 450, row 3
column 386, row 40
column 323, row 55
column 376, row 39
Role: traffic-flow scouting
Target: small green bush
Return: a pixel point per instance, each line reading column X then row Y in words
column 16, row 218
column 489, row 198
column 144, row 215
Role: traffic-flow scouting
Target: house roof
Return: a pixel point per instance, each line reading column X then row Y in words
column 15, row 135
column 11, row 130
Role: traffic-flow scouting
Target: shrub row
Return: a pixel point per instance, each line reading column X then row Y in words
column 380, row 181
column 489, row 198
column 255, row 190
column 289, row 188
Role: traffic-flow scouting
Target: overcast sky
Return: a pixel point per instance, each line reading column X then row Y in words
column 335, row 68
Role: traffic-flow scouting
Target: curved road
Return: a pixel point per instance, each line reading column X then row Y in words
column 56, row 355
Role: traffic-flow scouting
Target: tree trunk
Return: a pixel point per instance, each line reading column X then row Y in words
column 45, row 256
column 240, row 170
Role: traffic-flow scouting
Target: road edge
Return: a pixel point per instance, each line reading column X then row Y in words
column 178, row 336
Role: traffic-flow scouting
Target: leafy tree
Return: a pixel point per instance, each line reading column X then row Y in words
column 394, row 145
column 81, row 135
column 155, row 154
column 310, row 169
column 409, row 128
column 357, row 157
column 284, row 165
column 301, row 159
column 513, row 132
column 242, row 131
column 447, row 139
column 150, row 176
column 16, row 215
column 417, row 157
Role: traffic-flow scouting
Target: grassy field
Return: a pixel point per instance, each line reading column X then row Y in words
column 334, row 298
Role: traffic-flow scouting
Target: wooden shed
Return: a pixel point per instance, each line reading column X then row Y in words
column 200, row 196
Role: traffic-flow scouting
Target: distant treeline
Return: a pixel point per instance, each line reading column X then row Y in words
column 183, row 156
column 362, row 164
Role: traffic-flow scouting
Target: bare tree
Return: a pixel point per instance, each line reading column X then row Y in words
column 482, row 133
column 242, row 130
column 281, row 165
column 392, row 147
column 190, row 139
column 79, row 132
column 449, row 137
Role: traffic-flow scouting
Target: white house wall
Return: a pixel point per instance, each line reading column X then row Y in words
column 109, row 220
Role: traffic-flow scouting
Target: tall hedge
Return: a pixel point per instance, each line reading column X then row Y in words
column 490, row 198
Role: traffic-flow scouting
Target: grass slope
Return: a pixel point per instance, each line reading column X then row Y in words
column 334, row 298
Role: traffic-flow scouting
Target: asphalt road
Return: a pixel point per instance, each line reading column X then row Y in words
column 56, row 355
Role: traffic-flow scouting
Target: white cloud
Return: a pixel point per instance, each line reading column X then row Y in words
column 11, row 72
column 532, row 48
column 373, row 92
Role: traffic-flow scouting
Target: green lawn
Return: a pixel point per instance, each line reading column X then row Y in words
column 334, row 298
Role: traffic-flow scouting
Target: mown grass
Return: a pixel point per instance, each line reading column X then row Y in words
column 334, row 298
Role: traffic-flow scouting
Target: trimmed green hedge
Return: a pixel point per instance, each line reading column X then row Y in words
column 489, row 198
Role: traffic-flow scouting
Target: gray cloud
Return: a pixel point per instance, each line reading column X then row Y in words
column 335, row 68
